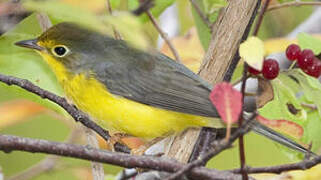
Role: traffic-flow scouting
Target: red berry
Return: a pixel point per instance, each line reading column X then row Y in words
column 253, row 71
column 305, row 59
column 270, row 69
column 293, row 52
column 315, row 69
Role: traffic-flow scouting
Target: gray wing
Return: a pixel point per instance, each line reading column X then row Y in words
column 157, row 81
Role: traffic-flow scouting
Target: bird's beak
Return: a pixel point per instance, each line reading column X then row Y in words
column 32, row 44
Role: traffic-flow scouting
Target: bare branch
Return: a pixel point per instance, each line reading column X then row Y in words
column 62, row 102
column 240, row 122
column 293, row 3
column 45, row 165
column 219, row 65
column 143, row 7
column 110, row 11
column 218, row 147
column 12, row 143
column 305, row 164
column 164, row 36
column 201, row 14
column 311, row 106
column 97, row 168
column 260, row 18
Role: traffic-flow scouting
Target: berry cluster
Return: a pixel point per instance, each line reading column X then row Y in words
column 306, row 60
column 270, row 69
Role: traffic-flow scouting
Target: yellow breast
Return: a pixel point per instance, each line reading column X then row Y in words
column 120, row 114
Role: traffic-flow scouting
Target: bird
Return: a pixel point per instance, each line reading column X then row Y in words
column 128, row 90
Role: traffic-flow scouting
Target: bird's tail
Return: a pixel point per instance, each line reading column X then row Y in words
column 273, row 135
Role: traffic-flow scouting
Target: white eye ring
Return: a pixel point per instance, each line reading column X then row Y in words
column 60, row 50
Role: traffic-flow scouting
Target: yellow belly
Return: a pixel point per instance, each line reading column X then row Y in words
column 120, row 114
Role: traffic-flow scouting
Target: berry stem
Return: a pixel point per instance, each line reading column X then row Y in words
column 292, row 65
column 240, row 80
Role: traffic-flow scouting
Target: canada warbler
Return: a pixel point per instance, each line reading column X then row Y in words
column 127, row 90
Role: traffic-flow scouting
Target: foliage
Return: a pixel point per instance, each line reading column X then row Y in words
column 38, row 120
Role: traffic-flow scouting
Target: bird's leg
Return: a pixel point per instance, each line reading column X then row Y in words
column 114, row 138
column 141, row 149
column 128, row 140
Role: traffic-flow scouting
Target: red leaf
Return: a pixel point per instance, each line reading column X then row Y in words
column 228, row 102
column 288, row 127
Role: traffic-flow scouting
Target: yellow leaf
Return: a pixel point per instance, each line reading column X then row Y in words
column 252, row 52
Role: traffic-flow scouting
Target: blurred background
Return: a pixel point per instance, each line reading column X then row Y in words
column 24, row 114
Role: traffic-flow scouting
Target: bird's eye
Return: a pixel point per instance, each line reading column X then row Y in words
column 60, row 50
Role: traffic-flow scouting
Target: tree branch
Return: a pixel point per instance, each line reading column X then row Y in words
column 240, row 122
column 260, row 17
column 78, row 115
column 10, row 143
column 218, row 61
column 164, row 36
column 201, row 14
column 293, row 3
column 218, row 147
column 305, row 164
column 46, row 164
column 236, row 57
column 143, row 7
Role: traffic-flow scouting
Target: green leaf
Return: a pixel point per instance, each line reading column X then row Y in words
column 203, row 31
column 61, row 12
column 311, row 88
column 284, row 92
column 211, row 6
column 307, row 41
column 25, row 63
column 211, row 10
column 295, row 87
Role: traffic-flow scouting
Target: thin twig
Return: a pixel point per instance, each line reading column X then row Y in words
column 143, row 7
column 260, row 18
column 311, row 106
column 9, row 143
column 292, row 65
column 97, row 168
column 78, row 115
column 240, row 122
column 303, row 165
column 293, row 3
column 164, row 36
column 110, row 10
column 219, row 147
column 201, row 14
column 240, row 80
column 44, row 165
